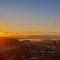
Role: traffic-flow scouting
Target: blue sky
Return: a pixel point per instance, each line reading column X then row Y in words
column 30, row 15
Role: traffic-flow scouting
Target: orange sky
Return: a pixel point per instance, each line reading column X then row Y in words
column 30, row 17
column 27, row 33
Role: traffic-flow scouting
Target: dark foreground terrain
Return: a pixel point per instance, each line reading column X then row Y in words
column 13, row 49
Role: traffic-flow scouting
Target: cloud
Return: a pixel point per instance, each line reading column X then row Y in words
column 3, row 27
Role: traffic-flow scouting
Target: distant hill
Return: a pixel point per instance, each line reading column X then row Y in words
column 13, row 49
column 44, row 37
column 7, row 41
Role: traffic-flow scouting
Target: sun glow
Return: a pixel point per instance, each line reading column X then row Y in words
column 24, row 33
column 6, row 34
column 2, row 34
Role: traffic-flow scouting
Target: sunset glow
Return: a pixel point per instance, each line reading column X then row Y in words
column 29, row 17
column 7, row 34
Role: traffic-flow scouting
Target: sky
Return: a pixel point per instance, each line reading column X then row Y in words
column 31, row 16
